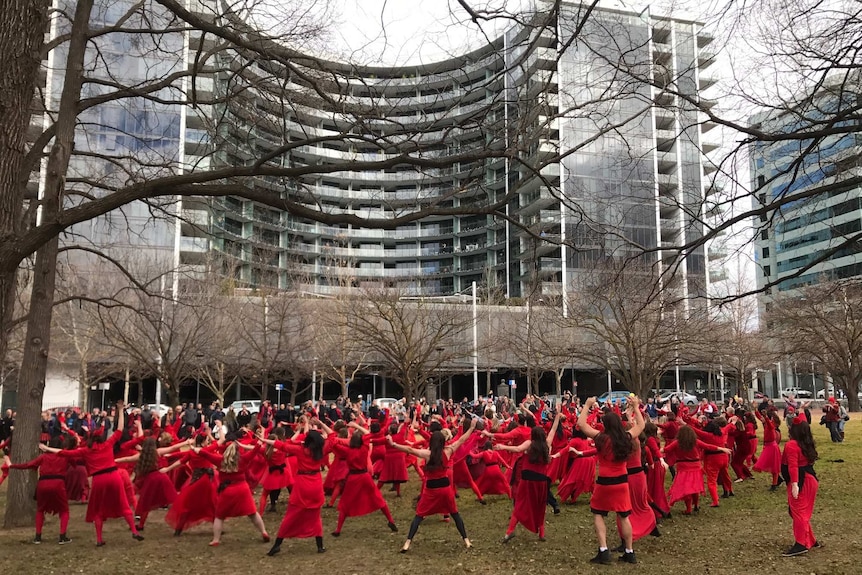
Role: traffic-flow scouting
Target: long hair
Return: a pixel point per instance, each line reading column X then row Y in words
column 651, row 429
column 277, row 434
column 801, row 433
column 712, row 427
column 355, row 441
column 538, row 451
column 436, row 445
column 614, row 436
column 686, row 438
column 314, row 444
column 750, row 418
column 149, row 459
column 230, row 459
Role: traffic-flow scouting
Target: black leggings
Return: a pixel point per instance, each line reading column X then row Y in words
column 417, row 520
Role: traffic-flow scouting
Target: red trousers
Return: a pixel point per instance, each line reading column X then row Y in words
column 801, row 510
column 713, row 467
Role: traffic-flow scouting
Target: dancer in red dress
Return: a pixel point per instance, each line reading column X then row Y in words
column 770, row 457
column 751, row 429
column 360, row 496
column 77, row 484
column 196, row 501
column 613, row 447
column 437, row 497
column 279, row 474
column 302, row 518
column 233, row 496
column 581, row 475
column 394, row 468
column 642, row 518
column 107, row 493
column 715, row 458
column 688, row 452
column 154, row 487
column 492, row 481
column 656, row 473
column 797, row 468
column 741, row 451
column 333, row 484
column 50, row 490
column 531, row 493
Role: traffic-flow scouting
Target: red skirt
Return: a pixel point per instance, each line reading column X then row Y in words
column 436, row 500
column 300, row 522
column 360, row 496
column 580, row 478
column 770, row 459
column 235, row 500
column 278, row 477
column 642, row 517
column 688, row 481
column 461, row 474
column 655, row 486
column 51, row 496
column 195, row 504
column 155, row 490
column 77, row 486
column 492, row 481
column 531, row 499
column 107, row 497
column 337, row 473
column 394, row 469
column 255, row 470
column 614, row 498
column 179, row 476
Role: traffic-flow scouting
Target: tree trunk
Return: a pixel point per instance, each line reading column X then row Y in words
column 22, row 27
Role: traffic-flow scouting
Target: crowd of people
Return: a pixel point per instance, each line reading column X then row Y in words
column 204, row 465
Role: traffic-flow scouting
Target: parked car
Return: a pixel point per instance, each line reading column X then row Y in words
column 386, row 402
column 684, row 397
column 614, row 396
column 797, row 392
column 159, row 408
column 253, row 405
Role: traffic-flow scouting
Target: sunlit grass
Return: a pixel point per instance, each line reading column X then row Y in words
column 745, row 535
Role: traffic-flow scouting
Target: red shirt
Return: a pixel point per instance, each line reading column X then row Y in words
column 48, row 464
column 794, row 459
column 98, row 458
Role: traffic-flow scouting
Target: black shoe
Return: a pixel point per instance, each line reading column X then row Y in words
column 780, row 481
column 100, row 544
column 797, row 549
column 137, row 537
column 556, row 510
column 178, row 532
column 63, row 539
column 508, row 537
column 274, row 551
column 335, row 533
column 774, row 488
column 37, row 540
column 725, row 495
column 628, row 557
column 696, row 510
column 817, row 545
column 393, row 527
column 482, row 502
column 655, row 532
column 621, row 548
column 603, row 557
column 321, row 549
column 731, row 494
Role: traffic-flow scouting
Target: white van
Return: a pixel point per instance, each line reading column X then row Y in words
column 253, row 405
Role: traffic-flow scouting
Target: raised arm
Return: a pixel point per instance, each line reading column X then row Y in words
column 553, row 432
column 638, row 426
column 420, row 453
column 460, row 441
column 583, row 425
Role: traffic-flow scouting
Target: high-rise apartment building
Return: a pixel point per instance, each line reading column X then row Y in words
column 610, row 162
column 803, row 241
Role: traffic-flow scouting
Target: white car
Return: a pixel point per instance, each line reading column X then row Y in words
column 386, row 402
column 159, row 408
column 684, row 397
column 253, row 405
column 797, row 392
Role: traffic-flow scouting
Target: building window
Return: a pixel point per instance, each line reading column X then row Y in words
column 767, row 271
column 765, row 252
column 761, row 181
column 764, row 235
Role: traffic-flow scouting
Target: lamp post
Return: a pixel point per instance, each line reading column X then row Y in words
column 373, row 385
column 475, row 348
column 314, row 382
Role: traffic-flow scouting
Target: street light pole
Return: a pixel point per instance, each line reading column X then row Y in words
column 610, row 385
column 475, row 348
column 314, row 382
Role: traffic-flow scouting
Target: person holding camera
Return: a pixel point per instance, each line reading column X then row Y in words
column 832, row 415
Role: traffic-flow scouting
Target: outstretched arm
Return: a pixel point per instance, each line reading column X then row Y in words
column 584, row 426
column 460, row 441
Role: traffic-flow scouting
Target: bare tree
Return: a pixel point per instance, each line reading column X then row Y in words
column 824, row 322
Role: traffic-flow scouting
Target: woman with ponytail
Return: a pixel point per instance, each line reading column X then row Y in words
column 797, row 469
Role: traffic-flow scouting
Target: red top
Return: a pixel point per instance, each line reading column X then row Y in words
column 794, row 459
column 48, row 464
column 695, row 454
column 653, row 448
column 710, row 439
column 98, row 458
column 440, row 472
column 669, row 430
column 608, row 466
column 303, row 457
column 356, row 458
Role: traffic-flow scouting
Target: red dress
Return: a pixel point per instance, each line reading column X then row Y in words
column 51, row 487
column 655, row 479
column 795, row 468
column 642, row 517
column 437, row 497
column 279, row 473
column 581, row 475
column 394, row 467
column 233, row 495
column 337, row 473
column 77, row 486
column 689, row 471
column 770, row 457
column 196, row 502
column 611, row 492
column 108, row 492
column 155, row 490
column 302, row 517
column 531, row 495
column 360, row 495
column 492, row 481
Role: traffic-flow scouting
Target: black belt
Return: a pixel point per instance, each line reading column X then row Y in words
column 104, row 471
column 752, row 437
column 438, row 483
column 616, row 480
column 530, row 475
column 635, row 470
column 713, row 452
column 224, row 485
column 803, row 471
column 277, row 468
column 199, row 472
column 688, row 460
column 47, row 477
column 303, row 472
column 357, row 471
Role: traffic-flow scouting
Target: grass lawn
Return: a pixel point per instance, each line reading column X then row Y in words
column 745, row 535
